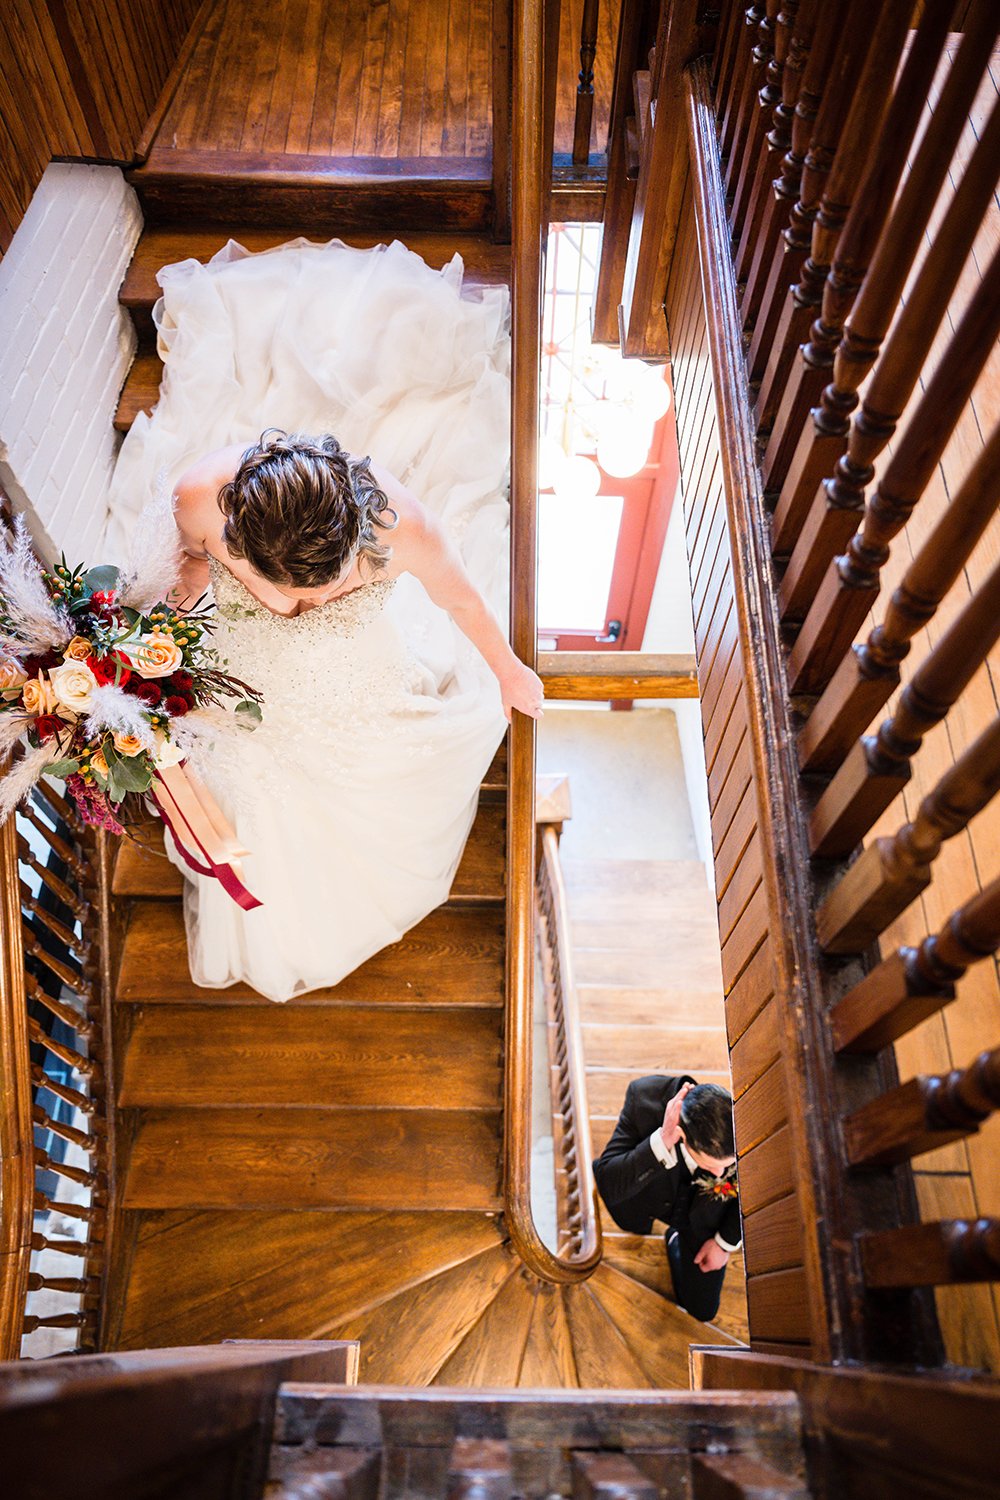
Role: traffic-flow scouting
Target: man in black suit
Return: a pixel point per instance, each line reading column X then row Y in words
column 672, row 1157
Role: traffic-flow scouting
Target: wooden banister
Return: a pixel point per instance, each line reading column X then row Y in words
column 17, row 1167
column 923, row 1114
column 935, row 1254
column 529, row 221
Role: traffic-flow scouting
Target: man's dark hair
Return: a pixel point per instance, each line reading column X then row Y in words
column 707, row 1120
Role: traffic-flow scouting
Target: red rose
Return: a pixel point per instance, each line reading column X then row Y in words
column 105, row 668
column 102, row 602
column 47, row 726
column 175, row 705
column 149, row 692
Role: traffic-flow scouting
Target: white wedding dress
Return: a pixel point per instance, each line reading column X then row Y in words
column 356, row 793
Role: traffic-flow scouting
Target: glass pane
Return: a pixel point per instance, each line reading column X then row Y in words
column 577, row 541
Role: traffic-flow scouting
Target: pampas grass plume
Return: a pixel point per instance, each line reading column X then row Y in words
column 154, row 558
column 38, row 621
column 111, row 708
column 21, row 777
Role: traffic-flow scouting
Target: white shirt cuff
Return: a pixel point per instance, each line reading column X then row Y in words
column 725, row 1246
column 664, row 1154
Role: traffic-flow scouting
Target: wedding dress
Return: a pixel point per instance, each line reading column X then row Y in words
column 356, row 793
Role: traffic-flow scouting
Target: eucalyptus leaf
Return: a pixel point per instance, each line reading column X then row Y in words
column 61, row 768
column 102, row 578
column 249, row 709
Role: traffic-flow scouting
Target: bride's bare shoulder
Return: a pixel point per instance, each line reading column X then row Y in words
column 404, row 502
column 196, row 493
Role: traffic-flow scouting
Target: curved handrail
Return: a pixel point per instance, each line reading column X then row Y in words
column 17, row 1165
column 528, row 220
column 584, row 1218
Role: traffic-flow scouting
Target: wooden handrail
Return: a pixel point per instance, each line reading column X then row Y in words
column 528, row 228
column 584, row 1218
column 17, row 1162
column 601, row 675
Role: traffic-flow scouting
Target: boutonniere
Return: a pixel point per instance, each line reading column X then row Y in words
column 719, row 1187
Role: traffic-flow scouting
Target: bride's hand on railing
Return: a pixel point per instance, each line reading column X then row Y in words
column 521, row 688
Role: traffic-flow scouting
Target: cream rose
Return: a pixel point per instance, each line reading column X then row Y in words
column 99, row 763
column 12, row 675
column 166, row 753
column 73, row 685
column 154, row 655
column 127, row 744
column 37, row 695
column 78, row 649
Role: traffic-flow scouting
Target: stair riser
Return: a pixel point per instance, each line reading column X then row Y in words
column 329, row 209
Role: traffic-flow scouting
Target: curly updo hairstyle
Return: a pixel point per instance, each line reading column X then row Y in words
column 300, row 508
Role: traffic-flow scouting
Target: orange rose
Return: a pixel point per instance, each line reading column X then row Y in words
column 155, row 655
column 12, row 675
column 127, row 744
column 37, row 695
column 78, row 649
column 98, row 763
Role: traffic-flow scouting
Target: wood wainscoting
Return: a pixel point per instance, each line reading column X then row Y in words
column 79, row 81
column 776, row 1288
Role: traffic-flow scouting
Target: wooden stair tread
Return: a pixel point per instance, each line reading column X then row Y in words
column 144, row 870
column 492, row 1351
column 314, row 1158
column 630, row 877
column 199, row 1278
column 604, row 1360
column 407, row 1340
column 486, row 264
column 606, row 1088
column 658, row 1332
column 603, row 1004
column 548, row 1352
column 141, row 390
column 453, row 957
column 256, row 1055
column 656, row 1049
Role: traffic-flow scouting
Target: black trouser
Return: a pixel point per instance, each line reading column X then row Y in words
column 697, row 1291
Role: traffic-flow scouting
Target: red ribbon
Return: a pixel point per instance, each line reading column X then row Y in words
column 197, row 822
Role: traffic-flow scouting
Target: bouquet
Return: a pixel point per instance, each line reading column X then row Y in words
column 108, row 690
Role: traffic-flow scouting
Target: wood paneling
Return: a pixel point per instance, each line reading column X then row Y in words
column 78, row 80
column 767, row 1175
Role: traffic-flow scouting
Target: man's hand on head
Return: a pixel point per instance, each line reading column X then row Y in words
column 711, row 1257
column 671, row 1127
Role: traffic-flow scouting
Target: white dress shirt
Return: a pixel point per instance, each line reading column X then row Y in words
column 668, row 1156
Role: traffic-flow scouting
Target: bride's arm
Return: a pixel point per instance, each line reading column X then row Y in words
column 422, row 548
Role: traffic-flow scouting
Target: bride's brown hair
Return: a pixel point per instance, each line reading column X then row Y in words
column 299, row 508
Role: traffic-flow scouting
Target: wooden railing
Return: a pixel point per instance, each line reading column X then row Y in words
column 815, row 187
column 529, row 221
column 54, row 1052
column 577, row 1193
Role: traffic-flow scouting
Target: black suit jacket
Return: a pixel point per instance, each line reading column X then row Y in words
column 637, row 1188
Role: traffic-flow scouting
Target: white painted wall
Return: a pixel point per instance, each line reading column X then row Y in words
column 670, row 628
column 65, row 349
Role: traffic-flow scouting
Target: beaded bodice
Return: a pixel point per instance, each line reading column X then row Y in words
column 343, row 615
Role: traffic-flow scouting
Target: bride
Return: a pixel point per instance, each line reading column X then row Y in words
column 362, row 605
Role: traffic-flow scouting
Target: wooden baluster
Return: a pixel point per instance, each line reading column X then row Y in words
column 786, row 392
column 67, row 975
column 583, row 119
column 80, row 1024
column 66, row 810
column 92, row 1214
column 843, row 588
column 725, row 57
column 84, row 1176
column 65, row 1247
column 753, row 155
column 77, row 945
column 891, row 872
column 869, row 675
column 79, row 866
column 772, row 276
column 743, row 76
column 82, row 1102
column 67, row 1132
column 923, row 1114
column 480, row 1469
column 58, row 1320
column 823, row 437
column 609, row 1476
column 57, row 886
column 776, row 195
column 914, row 983
column 87, row 1066
column 78, row 1284
column 937, row 1254
column 878, row 766
column 792, row 34
column 620, row 187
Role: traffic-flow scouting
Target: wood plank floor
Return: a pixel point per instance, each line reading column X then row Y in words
column 380, row 79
